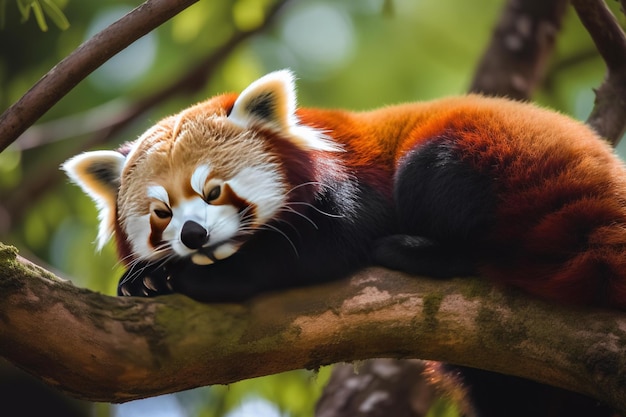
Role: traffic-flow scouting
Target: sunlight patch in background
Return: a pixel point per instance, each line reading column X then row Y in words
column 162, row 406
column 169, row 406
column 319, row 51
column 129, row 64
column 248, row 14
column 256, row 407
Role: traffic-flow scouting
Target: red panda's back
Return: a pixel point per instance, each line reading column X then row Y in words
column 559, row 226
column 560, row 218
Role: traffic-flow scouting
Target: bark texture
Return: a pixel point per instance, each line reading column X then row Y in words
column 608, row 116
column 515, row 60
column 146, row 347
column 388, row 387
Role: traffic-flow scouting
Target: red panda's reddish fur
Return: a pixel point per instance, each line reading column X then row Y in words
column 498, row 137
column 557, row 228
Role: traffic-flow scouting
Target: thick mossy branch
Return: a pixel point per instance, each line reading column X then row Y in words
column 144, row 347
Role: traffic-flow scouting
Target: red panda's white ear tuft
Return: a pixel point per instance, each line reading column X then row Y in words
column 271, row 101
column 98, row 173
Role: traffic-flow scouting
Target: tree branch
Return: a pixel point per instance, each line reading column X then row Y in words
column 80, row 63
column 108, row 119
column 514, row 62
column 145, row 347
column 608, row 116
column 390, row 387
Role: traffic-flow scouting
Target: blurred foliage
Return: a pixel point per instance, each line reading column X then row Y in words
column 39, row 9
column 356, row 54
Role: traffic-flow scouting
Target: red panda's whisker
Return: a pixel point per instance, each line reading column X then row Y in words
column 288, row 209
column 338, row 216
column 304, row 184
column 133, row 273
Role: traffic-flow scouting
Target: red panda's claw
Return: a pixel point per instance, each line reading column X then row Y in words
column 145, row 281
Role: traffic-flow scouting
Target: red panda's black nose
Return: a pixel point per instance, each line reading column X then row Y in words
column 193, row 235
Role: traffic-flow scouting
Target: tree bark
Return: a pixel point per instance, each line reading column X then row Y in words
column 142, row 347
column 515, row 60
column 608, row 116
column 378, row 388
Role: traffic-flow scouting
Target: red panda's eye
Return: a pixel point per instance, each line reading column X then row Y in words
column 162, row 214
column 214, row 193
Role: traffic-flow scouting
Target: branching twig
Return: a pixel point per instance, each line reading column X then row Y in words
column 608, row 116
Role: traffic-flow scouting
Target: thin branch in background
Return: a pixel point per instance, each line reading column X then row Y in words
column 112, row 117
column 515, row 60
column 608, row 116
column 393, row 381
column 34, row 187
column 191, row 81
column 82, row 62
column 579, row 57
column 88, row 122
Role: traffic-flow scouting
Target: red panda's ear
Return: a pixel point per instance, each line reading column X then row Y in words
column 271, row 101
column 98, row 173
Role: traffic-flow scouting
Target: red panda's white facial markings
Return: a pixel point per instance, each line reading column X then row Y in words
column 199, row 183
column 258, row 186
column 202, row 216
column 218, row 224
column 199, row 179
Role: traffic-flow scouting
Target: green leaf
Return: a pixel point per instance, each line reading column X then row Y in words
column 38, row 12
column 54, row 13
column 24, row 6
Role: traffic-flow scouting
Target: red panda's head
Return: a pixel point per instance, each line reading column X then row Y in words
column 198, row 183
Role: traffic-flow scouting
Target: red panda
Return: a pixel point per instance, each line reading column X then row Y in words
column 242, row 194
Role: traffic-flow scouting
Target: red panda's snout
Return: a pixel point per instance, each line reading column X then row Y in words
column 197, row 238
column 193, row 235
column 203, row 217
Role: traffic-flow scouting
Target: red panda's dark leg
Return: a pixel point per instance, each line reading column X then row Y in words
column 151, row 280
column 445, row 209
column 421, row 256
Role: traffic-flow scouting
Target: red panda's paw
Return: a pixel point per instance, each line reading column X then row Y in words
column 418, row 255
column 145, row 280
